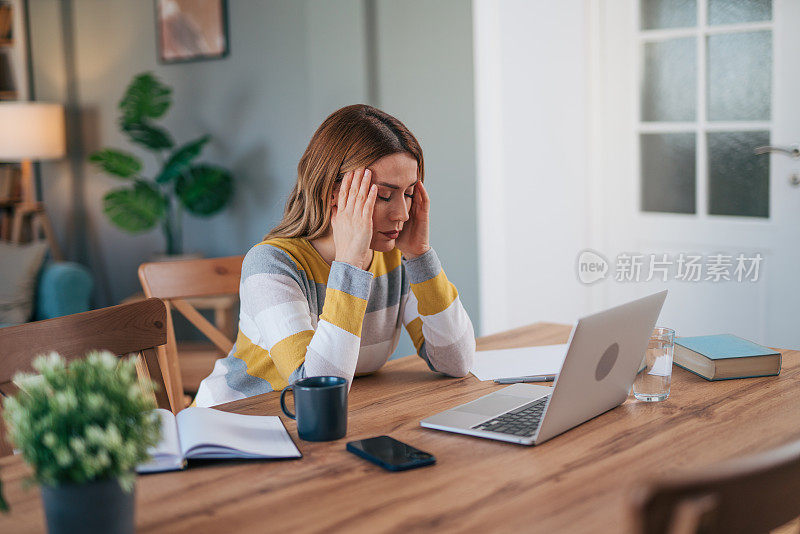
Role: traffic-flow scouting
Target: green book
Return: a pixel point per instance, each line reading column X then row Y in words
column 725, row 356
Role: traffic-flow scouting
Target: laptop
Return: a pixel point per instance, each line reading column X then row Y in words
column 604, row 354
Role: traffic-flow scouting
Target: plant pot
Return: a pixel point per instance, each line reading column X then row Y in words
column 100, row 506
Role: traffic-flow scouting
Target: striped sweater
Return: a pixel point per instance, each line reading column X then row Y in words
column 301, row 317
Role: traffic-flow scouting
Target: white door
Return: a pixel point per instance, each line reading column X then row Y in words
column 685, row 93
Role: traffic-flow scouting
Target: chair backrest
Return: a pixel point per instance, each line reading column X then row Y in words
column 136, row 328
column 752, row 494
column 176, row 281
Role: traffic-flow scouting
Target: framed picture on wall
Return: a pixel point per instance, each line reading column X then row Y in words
column 191, row 30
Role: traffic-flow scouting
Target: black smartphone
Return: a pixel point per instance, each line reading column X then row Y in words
column 390, row 454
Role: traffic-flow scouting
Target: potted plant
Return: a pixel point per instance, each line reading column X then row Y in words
column 83, row 428
column 180, row 184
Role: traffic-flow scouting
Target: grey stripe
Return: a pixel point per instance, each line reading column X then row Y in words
column 350, row 279
column 423, row 353
column 424, row 267
column 240, row 380
column 298, row 374
column 386, row 290
column 456, row 358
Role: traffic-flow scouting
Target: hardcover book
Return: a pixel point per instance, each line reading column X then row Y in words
column 725, row 356
column 205, row 433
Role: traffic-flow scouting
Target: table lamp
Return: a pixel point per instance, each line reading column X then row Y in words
column 31, row 131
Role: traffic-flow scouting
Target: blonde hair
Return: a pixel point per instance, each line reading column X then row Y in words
column 350, row 138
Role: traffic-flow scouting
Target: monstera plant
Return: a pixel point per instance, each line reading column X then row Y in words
column 182, row 183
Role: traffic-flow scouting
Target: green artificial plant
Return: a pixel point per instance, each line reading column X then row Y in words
column 181, row 183
column 88, row 421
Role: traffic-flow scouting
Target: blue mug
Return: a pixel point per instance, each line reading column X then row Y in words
column 321, row 406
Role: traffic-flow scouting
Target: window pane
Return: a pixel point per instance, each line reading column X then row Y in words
column 668, row 14
column 735, row 11
column 738, row 180
column 669, row 88
column 740, row 76
column 668, row 172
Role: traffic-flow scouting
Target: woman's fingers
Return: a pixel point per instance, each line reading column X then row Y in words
column 369, row 205
column 344, row 187
column 363, row 191
column 425, row 198
column 358, row 175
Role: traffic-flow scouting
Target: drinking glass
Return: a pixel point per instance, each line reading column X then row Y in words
column 653, row 380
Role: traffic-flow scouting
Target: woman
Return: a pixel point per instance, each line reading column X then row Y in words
column 327, row 290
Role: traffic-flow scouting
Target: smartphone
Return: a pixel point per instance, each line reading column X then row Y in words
column 390, row 454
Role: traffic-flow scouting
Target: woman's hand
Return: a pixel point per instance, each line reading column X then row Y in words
column 352, row 218
column 413, row 240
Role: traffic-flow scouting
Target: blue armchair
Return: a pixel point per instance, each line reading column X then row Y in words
column 63, row 288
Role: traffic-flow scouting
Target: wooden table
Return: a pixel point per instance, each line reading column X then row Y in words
column 577, row 482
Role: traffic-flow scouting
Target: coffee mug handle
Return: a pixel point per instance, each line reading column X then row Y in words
column 283, row 403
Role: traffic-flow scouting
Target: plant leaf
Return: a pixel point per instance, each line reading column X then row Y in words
column 145, row 98
column 135, row 209
column 148, row 135
column 181, row 158
column 117, row 162
column 204, row 189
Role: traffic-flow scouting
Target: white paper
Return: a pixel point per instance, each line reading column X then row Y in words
column 209, row 433
column 526, row 361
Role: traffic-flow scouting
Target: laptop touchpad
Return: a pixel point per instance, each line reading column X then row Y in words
column 493, row 404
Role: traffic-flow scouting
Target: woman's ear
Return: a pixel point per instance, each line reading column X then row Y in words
column 335, row 194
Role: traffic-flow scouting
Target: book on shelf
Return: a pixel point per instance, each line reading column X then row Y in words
column 725, row 356
column 206, row 433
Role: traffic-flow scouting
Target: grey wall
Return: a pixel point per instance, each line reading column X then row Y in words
column 291, row 64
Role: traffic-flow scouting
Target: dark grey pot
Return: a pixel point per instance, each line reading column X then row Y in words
column 100, row 506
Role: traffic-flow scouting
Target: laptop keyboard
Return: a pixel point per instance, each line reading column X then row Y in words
column 522, row 421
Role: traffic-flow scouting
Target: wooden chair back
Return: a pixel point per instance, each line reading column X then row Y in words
column 176, row 281
column 753, row 494
column 136, row 328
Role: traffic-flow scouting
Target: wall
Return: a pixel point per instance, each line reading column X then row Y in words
column 425, row 78
column 291, row 64
column 531, row 109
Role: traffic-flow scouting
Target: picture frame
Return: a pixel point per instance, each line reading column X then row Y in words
column 191, row 30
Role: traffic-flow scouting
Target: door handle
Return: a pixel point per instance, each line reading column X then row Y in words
column 793, row 151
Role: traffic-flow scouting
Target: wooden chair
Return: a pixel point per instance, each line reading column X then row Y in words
column 126, row 329
column 176, row 281
column 753, row 494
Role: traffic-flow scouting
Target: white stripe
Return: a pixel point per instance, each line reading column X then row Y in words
column 447, row 326
column 334, row 344
column 260, row 291
column 249, row 328
column 214, row 388
column 281, row 321
column 410, row 310
column 372, row 357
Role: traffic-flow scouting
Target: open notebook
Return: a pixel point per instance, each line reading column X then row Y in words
column 205, row 433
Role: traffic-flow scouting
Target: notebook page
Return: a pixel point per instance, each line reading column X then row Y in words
column 166, row 455
column 525, row 361
column 209, row 433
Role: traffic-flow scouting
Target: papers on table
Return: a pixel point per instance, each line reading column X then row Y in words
column 526, row 361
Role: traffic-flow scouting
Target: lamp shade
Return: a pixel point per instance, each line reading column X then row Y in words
column 31, row 130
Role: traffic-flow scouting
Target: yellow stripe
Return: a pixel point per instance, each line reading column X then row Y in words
column 344, row 310
column 258, row 362
column 385, row 262
column 290, row 352
column 434, row 295
column 415, row 331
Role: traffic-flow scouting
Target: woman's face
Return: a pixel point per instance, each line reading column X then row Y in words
column 395, row 176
